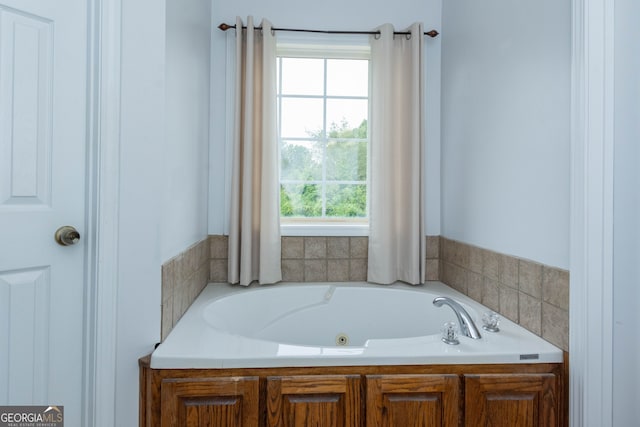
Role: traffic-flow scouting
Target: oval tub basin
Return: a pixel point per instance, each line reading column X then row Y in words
column 321, row 324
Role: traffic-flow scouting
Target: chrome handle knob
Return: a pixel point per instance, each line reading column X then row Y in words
column 67, row 235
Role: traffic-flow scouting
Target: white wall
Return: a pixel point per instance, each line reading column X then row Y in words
column 626, row 221
column 163, row 182
column 506, row 126
column 186, row 152
column 141, row 189
column 330, row 15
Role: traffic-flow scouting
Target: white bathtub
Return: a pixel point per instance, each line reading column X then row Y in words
column 302, row 324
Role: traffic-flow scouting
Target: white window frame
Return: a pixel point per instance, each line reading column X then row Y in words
column 334, row 47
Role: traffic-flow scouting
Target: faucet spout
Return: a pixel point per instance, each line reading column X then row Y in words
column 467, row 327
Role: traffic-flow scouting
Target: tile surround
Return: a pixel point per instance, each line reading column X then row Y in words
column 321, row 259
column 183, row 278
column 534, row 295
column 306, row 259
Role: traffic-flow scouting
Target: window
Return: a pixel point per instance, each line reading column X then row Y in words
column 323, row 116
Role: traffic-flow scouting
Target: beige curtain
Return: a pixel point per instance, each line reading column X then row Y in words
column 254, row 235
column 397, row 241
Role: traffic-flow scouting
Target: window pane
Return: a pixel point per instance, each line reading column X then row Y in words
column 302, row 200
column 346, row 114
column 347, row 77
column 346, row 200
column 347, row 160
column 301, row 117
column 302, row 76
column 301, row 160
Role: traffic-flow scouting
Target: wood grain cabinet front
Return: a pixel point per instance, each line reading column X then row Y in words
column 531, row 395
column 220, row 402
column 413, row 400
column 508, row 400
column 314, row 400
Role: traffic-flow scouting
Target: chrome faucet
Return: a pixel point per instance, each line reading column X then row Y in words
column 467, row 327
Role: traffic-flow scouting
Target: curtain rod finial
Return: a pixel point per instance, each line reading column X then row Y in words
column 432, row 33
column 225, row 27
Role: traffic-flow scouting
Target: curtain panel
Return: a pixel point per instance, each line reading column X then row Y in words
column 397, row 243
column 254, row 234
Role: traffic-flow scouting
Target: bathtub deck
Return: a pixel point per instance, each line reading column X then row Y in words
column 194, row 343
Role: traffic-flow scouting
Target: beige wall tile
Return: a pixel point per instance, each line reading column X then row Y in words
column 179, row 303
column 166, row 324
column 509, row 303
column 555, row 325
column 530, row 313
column 184, row 276
column 190, row 259
column 555, row 287
column 315, row 270
column 454, row 252
column 460, row 254
column 178, row 266
column 475, row 259
column 433, row 269
column 191, row 289
column 446, row 273
column 202, row 277
column 203, row 253
column 491, row 294
column 454, row 276
column 475, row 285
column 293, row 270
column 433, row 247
column 358, row 270
column 218, row 270
column 219, row 246
column 315, row 247
column 359, row 247
column 292, row 247
column 338, row 270
column 509, row 271
column 446, row 250
column 168, row 279
column 530, row 278
column 491, row 265
column 338, row 247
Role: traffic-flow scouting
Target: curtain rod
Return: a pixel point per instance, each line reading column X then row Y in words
column 225, row 27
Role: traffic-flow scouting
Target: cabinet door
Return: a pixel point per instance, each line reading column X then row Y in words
column 314, row 400
column 231, row 402
column 523, row 400
column 413, row 400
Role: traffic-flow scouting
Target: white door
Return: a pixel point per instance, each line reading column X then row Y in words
column 43, row 96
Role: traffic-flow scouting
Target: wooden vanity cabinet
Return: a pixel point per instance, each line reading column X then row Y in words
column 220, row 402
column 413, row 400
column 507, row 400
column 314, row 400
column 527, row 395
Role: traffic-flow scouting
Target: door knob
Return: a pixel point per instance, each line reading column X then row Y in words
column 67, row 235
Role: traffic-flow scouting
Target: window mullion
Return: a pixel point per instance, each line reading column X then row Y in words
column 324, row 143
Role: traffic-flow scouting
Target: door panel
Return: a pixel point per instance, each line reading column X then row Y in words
column 26, row 77
column 43, row 71
column 314, row 400
column 220, row 402
column 496, row 400
column 413, row 400
column 27, row 290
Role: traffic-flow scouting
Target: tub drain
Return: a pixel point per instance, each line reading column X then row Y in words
column 342, row 339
